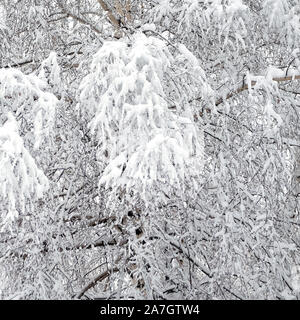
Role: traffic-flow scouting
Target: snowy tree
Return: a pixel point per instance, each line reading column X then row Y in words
column 149, row 149
column 144, row 142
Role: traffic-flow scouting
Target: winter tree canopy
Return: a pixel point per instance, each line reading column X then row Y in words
column 150, row 149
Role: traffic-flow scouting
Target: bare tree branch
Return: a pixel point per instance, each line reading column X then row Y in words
column 114, row 21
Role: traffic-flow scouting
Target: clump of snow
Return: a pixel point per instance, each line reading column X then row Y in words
column 20, row 178
column 234, row 6
column 50, row 73
column 149, row 27
column 273, row 72
column 28, row 95
column 125, row 96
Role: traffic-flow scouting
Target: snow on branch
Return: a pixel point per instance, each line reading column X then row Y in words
column 20, row 180
column 27, row 97
column 252, row 83
column 146, row 144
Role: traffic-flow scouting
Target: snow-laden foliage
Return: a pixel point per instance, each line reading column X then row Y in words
column 33, row 106
column 50, row 73
column 146, row 144
column 169, row 134
column 21, row 180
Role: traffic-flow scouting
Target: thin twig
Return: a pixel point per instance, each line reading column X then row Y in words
column 100, row 277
